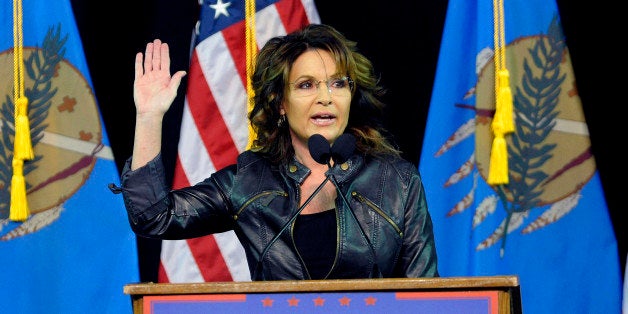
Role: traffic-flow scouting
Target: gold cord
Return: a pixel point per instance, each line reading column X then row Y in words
column 503, row 122
column 22, row 147
column 251, row 53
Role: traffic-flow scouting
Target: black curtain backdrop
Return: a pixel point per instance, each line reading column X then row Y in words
column 402, row 38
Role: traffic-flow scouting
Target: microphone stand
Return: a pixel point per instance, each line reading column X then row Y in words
column 346, row 202
column 285, row 227
column 322, row 152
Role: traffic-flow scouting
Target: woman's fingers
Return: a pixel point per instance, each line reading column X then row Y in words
column 156, row 57
column 139, row 69
column 164, row 57
column 176, row 80
column 148, row 57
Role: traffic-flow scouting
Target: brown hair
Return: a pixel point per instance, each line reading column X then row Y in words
column 270, row 81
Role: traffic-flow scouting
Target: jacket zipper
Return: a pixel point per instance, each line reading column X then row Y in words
column 370, row 204
column 333, row 265
column 294, row 245
column 252, row 199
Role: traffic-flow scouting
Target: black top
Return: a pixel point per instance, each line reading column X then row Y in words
column 315, row 238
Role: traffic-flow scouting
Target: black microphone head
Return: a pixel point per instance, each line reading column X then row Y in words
column 319, row 148
column 343, row 148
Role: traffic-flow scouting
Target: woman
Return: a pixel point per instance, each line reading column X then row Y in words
column 352, row 209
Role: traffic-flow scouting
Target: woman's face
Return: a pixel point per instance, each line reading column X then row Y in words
column 318, row 98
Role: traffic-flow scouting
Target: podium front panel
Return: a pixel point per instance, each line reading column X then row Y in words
column 469, row 302
column 486, row 295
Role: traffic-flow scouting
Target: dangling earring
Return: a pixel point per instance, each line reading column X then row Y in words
column 281, row 121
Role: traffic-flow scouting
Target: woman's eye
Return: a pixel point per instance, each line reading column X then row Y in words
column 339, row 83
column 305, row 85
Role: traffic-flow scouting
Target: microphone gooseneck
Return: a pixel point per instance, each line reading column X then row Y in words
column 342, row 149
column 258, row 267
column 321, row 151
column 340, row 152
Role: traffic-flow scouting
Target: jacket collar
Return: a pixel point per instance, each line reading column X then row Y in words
column 342, row 172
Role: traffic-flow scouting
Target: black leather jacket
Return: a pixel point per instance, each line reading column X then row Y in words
column 385, row 232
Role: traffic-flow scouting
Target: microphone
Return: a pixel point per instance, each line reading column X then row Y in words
column 343, row 148
column 340, row 152
column 319, row 147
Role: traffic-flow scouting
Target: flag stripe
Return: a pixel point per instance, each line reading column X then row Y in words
column 291, row 15
column 214, row 129
column 196, row 161
column 229, row 92
column 233, row 40
column 212, row 115
column 233, row 256
column 208, row 257
column 186, row 267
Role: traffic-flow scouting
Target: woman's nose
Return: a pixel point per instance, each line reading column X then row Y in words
column 323, row 93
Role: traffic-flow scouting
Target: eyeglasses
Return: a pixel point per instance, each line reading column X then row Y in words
column 341, row 86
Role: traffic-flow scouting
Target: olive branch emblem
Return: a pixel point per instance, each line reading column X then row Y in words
column 544, row 129
column 535, row 101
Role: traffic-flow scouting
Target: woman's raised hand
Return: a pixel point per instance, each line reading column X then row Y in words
column 154, row 89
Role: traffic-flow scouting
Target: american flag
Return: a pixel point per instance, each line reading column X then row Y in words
column 214, row 126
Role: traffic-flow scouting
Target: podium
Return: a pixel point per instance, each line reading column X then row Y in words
column 443, row 295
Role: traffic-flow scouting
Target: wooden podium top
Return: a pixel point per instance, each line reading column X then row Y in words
column 383, row 284
column 491, row 294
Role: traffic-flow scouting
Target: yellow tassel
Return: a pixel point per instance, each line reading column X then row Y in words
column 19, row 205
column 504, row 103
column 498, row 168
column 503, row 122
column 23, row 148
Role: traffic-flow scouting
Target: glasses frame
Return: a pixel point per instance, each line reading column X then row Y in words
column 327, row 82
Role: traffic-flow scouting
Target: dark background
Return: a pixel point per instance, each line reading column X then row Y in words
column 402, row 38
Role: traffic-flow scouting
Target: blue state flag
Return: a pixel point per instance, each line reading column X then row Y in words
column 75, row 251
column 549, row 225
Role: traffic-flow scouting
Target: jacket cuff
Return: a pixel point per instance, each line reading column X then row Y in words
column 143, row 188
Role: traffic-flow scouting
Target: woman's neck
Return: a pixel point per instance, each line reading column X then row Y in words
column 302, row 154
